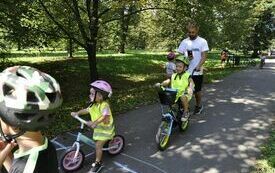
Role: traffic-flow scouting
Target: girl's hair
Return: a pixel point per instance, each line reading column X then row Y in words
column 104, row 95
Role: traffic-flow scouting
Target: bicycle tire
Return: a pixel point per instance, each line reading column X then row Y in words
column 162, row 136
column 117, row 140
column 69, row 165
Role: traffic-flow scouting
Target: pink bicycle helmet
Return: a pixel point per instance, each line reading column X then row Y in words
column 171, row 56
column 102, row 86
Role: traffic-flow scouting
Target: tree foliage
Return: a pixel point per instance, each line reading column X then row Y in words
column 133, row 24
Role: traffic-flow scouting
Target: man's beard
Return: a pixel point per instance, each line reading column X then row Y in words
column 193, row 37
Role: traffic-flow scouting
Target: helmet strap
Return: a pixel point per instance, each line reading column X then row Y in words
column 179, row 75
column 9, row 138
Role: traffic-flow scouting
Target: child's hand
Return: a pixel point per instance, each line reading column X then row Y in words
column 5, row 150
column 91, row 124
column 74, row 114
column 157, row 85
column 4, row 145
column 106, row 120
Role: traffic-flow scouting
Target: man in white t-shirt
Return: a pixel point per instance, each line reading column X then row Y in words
column 196, row 48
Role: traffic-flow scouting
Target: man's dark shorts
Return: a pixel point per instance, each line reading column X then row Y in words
column 198, row 79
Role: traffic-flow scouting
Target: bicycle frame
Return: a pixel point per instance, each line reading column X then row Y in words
column 83, row 138
column 171, row 121
column 170, row 115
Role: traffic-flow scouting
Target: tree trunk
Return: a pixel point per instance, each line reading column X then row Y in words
column 124, row 25
column 18, row 45
column 122, row 34
column 92, row 42
column 91, row 51
column 70, row 48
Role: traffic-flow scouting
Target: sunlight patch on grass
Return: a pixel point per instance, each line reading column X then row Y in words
column 157, row 62
column 115, row 55
column 38, row 59
column 134, row 78
column 262, row 166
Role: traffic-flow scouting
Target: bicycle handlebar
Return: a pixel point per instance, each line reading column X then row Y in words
column 80, row 120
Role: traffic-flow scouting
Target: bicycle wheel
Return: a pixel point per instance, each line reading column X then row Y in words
column 162, row 136
column 116, row 145
column 253, row 63
column 68, row 163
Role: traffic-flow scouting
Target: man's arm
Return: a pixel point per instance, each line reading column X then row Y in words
column 204, row 50
column 182, row 48
column 202, row 61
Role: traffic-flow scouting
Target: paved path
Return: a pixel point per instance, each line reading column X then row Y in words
column 239, row 111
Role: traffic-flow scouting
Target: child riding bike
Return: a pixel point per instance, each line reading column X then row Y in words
column 183, row 83
column 262, row 57
column 101, row 118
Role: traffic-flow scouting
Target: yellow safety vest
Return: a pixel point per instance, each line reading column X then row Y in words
column 102, row 131
column 180, row 82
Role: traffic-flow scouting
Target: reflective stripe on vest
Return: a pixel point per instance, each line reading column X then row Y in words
column 103, row 135
column 180, row 83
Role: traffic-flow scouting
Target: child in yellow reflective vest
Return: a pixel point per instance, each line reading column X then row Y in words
column 183, row 83
column 101, row 118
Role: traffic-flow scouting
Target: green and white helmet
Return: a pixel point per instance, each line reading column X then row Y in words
column 183, row 59
column 28, row 97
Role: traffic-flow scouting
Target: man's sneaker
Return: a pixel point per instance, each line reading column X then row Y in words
column 198, row 110
column 185, row 116
column 96, row 167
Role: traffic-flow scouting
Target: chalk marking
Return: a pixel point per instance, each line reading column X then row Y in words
column 124, row 167
column 235, row 92
column 89, row 154
column 146, row 163
column 60, row 145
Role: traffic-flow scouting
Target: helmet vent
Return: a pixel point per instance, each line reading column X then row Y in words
column 24, row 116
column 31, row 97
column 51, row 96
column 19, row 74
column 7, row 90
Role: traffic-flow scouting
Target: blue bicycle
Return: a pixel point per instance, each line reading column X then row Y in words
column 171, row 118
column 73, row 157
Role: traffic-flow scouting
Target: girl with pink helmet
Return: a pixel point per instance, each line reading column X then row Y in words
column 170, row 66
column 101, row 118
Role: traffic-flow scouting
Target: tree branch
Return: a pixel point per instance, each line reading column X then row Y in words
column 59, row 25
column 135, row 12
column 88, row 8
column 103, row 12
column 79, row 21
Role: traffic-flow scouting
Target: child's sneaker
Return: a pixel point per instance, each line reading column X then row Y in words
column 198, row 110
column 185, row 117
column 96, row 167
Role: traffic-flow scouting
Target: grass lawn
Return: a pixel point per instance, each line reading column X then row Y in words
column 131, row 76
column 266, row 164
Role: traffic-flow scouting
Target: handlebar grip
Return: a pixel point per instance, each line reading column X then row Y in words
column 80, row 119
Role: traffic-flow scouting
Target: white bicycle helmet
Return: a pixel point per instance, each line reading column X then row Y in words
column 28, row 97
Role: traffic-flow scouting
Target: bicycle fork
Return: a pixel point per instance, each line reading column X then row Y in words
column 168, row 118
